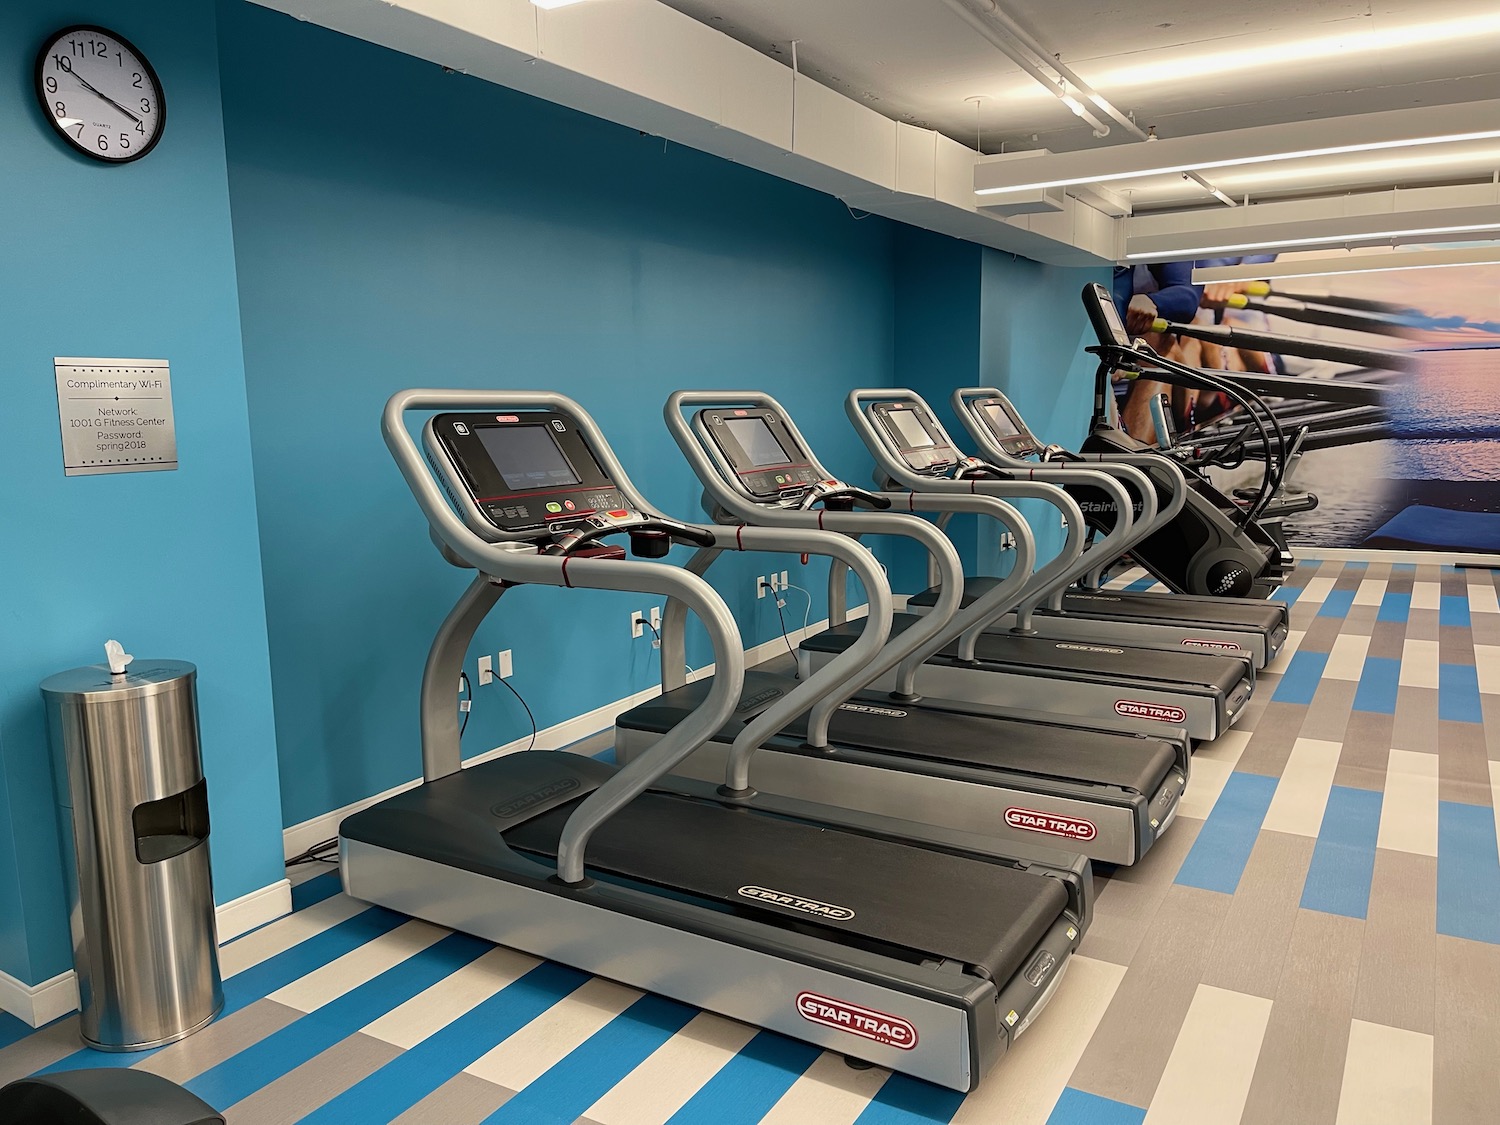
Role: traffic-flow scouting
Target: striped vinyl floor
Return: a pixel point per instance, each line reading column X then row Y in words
column 1315, row 942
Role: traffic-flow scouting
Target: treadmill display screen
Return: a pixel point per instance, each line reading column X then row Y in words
column 1113, row 322
column 910, row 427
column 1001, row 421
column 758, row 442
column 527, row 457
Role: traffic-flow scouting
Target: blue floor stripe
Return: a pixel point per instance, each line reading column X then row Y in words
column 1453, row 609
column 316, row 889
column 1219, row 854
column 1403, row 568
column 587, row 1073
column 1078, row 1108
column 260, row 980
column 749, row 1084
column 1458, row 693
column 1142, row 583
column 1394, row 607
column 282, row 1051
column 1378, row 682
column 1287, row 594
column 415, row 1073
column 1468, row 882
column 1301, row 677
column 904, row 1100
column 1343, row 861
column 1337, row 604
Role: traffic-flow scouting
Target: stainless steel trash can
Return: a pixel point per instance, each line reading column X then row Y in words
column 130, row 780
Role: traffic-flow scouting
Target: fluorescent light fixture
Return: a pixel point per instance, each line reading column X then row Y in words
column 1234, row 162
column 1326, row 266
column 1310, row 241
column 1072, row 103
column 1488, row 158
column 1202, row 64
column 550, row 4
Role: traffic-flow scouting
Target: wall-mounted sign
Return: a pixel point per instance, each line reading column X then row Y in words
column 116, row 415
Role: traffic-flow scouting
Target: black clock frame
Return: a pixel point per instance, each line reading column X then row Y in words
column 40, row 90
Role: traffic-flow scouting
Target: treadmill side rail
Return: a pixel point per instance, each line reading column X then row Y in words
column 953, row 1015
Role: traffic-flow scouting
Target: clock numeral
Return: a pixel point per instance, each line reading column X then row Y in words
column 103, row 143
column 99, row 48
column 51, row 85
column 124, row 141
column 145, row 105
column 63, row 63
column 139, row 128
column 137, row 83
column 119, row 59
column 75, row 46
column 59, row 109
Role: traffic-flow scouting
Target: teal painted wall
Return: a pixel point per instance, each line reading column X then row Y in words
column 130, row 261
column 467, row 235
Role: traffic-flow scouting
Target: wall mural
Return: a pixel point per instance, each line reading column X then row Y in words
column 1394, row 406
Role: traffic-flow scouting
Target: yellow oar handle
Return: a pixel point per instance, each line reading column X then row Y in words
column 1237, row 301
column 1258, row 288
column 1159, row 325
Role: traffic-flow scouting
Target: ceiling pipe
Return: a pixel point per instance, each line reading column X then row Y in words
column 990, row 10
column 1021, row 59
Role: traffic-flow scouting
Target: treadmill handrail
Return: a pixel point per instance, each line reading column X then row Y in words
column 1071, row 562
column 1114, row 463
column 949, row 620
column 519, row 566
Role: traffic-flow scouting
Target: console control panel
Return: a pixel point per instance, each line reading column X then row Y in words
column 1006, row 427
column 916, row 437
column 530, row 473
column 767, row 461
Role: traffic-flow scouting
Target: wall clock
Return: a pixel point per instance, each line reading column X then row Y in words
column 100, row 94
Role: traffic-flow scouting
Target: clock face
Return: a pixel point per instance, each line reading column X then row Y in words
column 100, row 94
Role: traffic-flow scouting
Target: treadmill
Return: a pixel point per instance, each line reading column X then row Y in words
column 995, row 775
column 851, row 932
column 911, row 444
column 1203, row 692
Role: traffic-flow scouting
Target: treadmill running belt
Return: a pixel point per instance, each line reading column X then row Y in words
column 982, row 914
column 1142, row 605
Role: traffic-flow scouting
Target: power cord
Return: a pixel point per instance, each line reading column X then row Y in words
column 780, row 616
column 324, row 851
column 466, row 704
column 530, row 717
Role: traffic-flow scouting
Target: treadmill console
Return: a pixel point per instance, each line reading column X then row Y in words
column 1099, row 303
column 915, row 437
column 530, row 474
column 766, row 459
column 1006, row 427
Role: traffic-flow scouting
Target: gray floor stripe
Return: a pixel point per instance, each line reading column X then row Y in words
column 1251, row 948
column 220, row 1040
column 462, row 1100
column 1466, row 1038
column 321, row 1079
column 1396, row 969
column 1463, row 763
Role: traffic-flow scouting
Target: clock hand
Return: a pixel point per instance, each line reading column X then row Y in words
column 86, row 85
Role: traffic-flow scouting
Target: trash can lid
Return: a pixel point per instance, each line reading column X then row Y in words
column 142, row 678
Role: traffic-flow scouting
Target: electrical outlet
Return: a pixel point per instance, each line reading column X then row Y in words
column 1007, row 541
column 784, row 580
column 486, row 674
column 637, row 624
column 656, row 618
column 760, row 585
column 503, row 664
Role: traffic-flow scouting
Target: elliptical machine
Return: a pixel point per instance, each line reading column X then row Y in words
column 1215, row 546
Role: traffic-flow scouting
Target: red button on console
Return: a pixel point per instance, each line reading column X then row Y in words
column 621, row 514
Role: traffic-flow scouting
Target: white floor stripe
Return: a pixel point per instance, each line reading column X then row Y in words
column 1495, row 789
column 1208, row 1075
column 1302, row 795
column 1482, row 597
column 1026, row 1083
column 343, row 974
column 1487, row 668
column 1371, row 592
column 1419, row 664
column 280, row 935
column 1387, row 1077
column 462, row 991
column 1289, row 649
column 1409, row 810
column 673, row 1073
column 1318, row 589
column 1426, row 595
column 830, row 1092
column 1212, row 765
column 548, row 1039
column 1346, row 659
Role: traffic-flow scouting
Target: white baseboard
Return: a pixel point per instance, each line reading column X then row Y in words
column 1347, row 554
column 299, row 837
column 38, row 1004
column 245, row 913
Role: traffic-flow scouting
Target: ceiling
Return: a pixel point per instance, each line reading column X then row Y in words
column 1186, row 70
